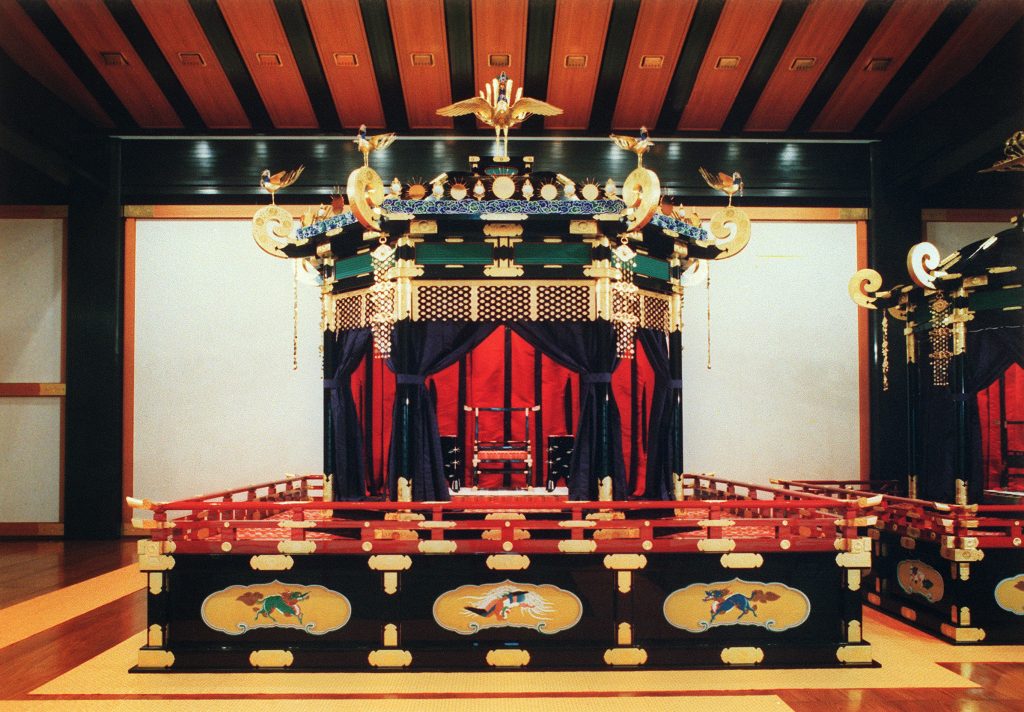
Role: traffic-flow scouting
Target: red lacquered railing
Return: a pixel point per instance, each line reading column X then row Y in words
column 716, row 516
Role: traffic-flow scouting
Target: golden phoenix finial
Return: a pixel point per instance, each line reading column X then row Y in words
column 279, row 180
column 637, row 144
column 728, row 184
column 369, row 144
column 495, row 108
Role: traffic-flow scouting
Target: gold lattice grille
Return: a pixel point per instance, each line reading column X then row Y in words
column 655, row 313
column 503, row 304
column 444, row 303
column 349, row 312
column 563, row 303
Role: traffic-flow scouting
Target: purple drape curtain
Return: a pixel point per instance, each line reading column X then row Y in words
column 589, row 349
column 418, row 350
column 349, row 348
column 665, row 445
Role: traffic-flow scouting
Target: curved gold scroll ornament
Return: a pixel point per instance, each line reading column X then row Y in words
column 922, row 262
column 729, row 242
column 365, row 196
column 272, row 230
column 862, row 286
column 641, row 191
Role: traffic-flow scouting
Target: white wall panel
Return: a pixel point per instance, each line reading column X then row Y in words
column 30, row 300
column 217, row 404
column 30, row 459
column 781, row 397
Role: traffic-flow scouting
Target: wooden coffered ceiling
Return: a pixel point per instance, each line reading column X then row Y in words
column 689, row 67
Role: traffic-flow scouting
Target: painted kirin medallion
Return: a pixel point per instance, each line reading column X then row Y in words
column 917, row 577
column 1009, row 594
column 702, row 606
column 238, row 609
column 544, row 608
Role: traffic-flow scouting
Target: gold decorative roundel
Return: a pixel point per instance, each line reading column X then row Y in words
column 365, row 196
column 548, row 191
column 503, row 187
column 641, row 191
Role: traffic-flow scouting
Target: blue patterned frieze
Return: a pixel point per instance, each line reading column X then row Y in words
column 320, row 228
column 684, row 229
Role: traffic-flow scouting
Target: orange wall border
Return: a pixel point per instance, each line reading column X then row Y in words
column 967, row 215
column 863, row 362
column 45, row 390
column 128, row 370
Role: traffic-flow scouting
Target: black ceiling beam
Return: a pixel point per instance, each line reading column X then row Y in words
column 956, row 143
column 858, row 35
column 458, row 20
column 217, row 32
column 540, row 28
column 929, row 46
column 377, row 22
column 702, row 28
column 54, row 31
column 300, row 39
column 127, row 17
column 621, row 26
column 787, row 19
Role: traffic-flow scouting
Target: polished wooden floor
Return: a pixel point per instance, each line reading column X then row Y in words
column 29, row 569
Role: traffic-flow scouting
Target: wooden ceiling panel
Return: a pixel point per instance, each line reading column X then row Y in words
column 421, row 50
column 817, row 37
column 183, row 43
column 340, row 37
column 897, row 35
column 578, row 40
column 102, row 40
column 261, row 40
column 661, row 27
column 30, row 50
column 741, row 29
column 978, row 34
column 499, row 31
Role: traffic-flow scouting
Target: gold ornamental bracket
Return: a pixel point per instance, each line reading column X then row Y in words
column 729, row 241
column 273, row 229
column 923, row 264
column 863, row 287
column 641, row 192
column 366, row 197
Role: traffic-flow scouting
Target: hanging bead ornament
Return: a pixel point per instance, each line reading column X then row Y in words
column 941, row 338
column 707, row 284
column 625, row 300
column 885, row 351
column 382, row 298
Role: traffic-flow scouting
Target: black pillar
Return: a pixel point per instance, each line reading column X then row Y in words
column 894, row 227
column 95, row 319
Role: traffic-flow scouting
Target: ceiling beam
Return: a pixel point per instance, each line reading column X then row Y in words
column 300, row 38
column 142, row 41
column 540, row 28
column 385, row 65
column 458, row 19
column 860, row 32
column 53, row 29
column 930, row 45
column 217, row 32
column 613, row 63
column 705, row 19
column 783, row 26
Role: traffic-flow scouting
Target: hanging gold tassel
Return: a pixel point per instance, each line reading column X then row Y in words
column 707, row 284
column 295, row 315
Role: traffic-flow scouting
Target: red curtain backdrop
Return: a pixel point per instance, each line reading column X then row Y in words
column 492, row 380
column 988, row 410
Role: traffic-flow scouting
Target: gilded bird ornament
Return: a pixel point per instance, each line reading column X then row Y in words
column 728, row 184
column 497, row 109
column 279, row 180
column 369, row 144
column 637, row 144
